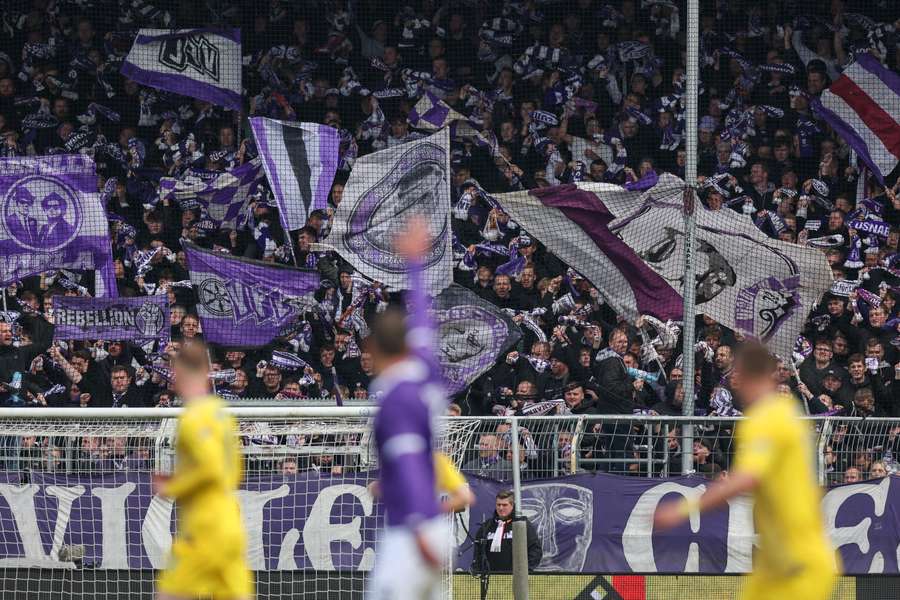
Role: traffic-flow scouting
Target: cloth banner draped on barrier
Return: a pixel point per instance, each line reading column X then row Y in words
column 586, row 523
column 222, row 196
column 244, row 302
column 200, row 63
column 630, row 245
column 385, row 189
column 472, row 334
column 52, row 218
column 144, row 318
column 300, row 160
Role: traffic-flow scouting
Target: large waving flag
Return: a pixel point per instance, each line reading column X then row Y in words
column 863, row 107
column 630, row 246
column 244, row 302
column 201, row 63
column 222, row 196
column 51, row 217
column 300, row 160
column 385, row 189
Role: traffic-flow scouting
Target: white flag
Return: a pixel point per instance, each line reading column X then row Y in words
column 385, row 189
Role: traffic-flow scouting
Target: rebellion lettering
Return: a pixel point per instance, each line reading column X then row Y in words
column 92, row 319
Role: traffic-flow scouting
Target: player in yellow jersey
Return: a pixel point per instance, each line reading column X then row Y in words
column 451, row 482
column 795, row 560
column 208, row 556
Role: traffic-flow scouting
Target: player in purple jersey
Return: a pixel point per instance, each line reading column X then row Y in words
column 414, row 545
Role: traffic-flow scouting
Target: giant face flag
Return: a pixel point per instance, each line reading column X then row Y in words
column 300, row 160
column 243, row 302
column 472, row 333
column 51, row 218
column 200, row 63
column 223, row 196
column 633, row 252
column 385, row 189
column 592, row 523
column 141, row 319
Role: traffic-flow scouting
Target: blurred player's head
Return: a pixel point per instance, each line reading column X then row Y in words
column 387, row 342
column 192, row 371
column 754, row 372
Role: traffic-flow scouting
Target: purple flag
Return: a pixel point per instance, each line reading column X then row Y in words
column 243, row 302
column 300, row 160
column 201, row 63
column 223, row 196
column 472, row 334
column 51, row 218
column 142, row 318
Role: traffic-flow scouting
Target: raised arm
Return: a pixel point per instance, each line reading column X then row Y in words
column 413, row 245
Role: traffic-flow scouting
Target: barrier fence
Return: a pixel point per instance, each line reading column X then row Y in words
column 80, row 516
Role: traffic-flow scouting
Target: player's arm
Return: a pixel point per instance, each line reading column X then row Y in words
column 757, row 452
column 412, row 245
column 206, row 452
column 451, row 481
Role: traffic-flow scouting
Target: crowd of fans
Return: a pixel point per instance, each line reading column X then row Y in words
column 584, row 90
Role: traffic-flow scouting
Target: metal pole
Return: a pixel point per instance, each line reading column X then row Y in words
column 690, row 175
column 520, row 529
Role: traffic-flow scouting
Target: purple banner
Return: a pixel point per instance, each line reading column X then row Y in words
column 142, row 318
column 243, row 302
column 51, row 217
column 586, row 523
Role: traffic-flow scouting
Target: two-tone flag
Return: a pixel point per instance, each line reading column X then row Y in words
column 200, row 63
column 51, row 218
column 300, row 160
column 630, row 246
column 244, row 302
column 863, row 107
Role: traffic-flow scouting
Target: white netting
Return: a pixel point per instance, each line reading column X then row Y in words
column 78, row 519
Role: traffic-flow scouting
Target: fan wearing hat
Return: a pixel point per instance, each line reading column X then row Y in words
column 835, row 394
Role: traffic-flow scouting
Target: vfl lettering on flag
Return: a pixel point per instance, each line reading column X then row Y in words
column 191, row 51
column 243, row 302
column 300, row 160
column 142, row 318
column 472, row 334
column 51, row 218
column 199, row 63
column 384, row 191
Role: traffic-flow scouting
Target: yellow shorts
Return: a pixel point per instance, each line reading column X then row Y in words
column 812, row 584
column 207, row 570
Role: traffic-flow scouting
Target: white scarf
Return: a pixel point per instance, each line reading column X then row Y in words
column 498, row 536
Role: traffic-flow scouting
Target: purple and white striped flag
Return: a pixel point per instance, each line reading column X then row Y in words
column 200, row 63
column 300, row 160
column 223, row 196
column 863, row 107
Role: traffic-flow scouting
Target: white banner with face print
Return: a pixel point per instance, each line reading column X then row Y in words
column 384, row 191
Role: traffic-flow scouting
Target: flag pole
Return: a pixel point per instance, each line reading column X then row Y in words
column 690, row 176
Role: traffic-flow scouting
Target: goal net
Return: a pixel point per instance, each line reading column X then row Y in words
column 78, row 518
